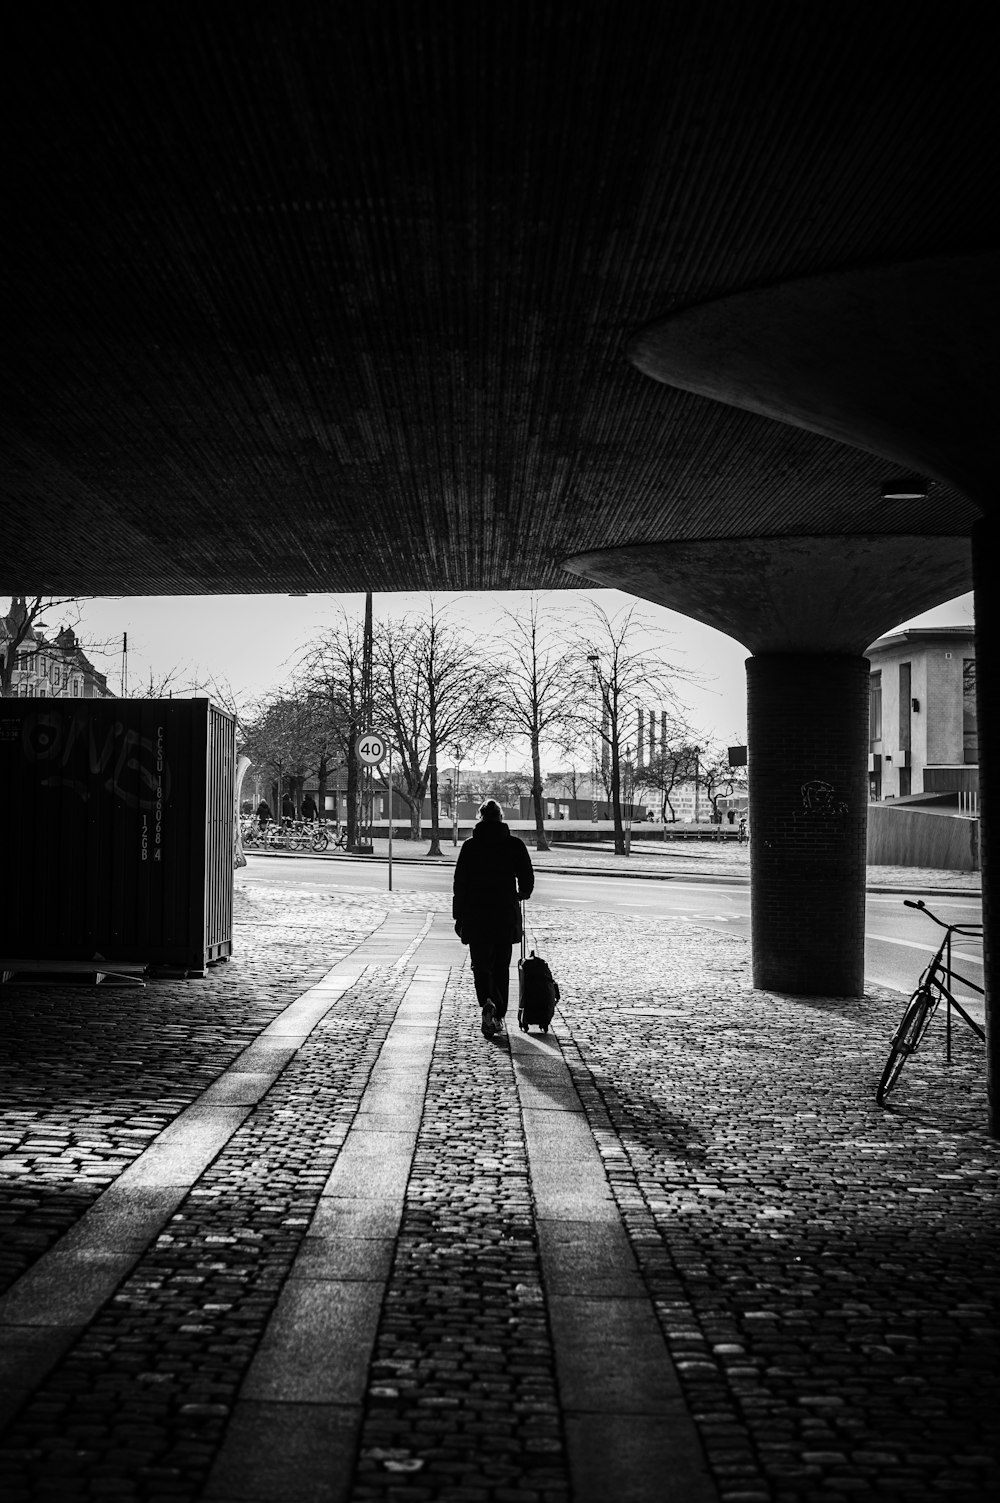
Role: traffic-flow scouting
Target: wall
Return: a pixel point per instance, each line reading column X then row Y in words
column 944, row 693
column 902, row 835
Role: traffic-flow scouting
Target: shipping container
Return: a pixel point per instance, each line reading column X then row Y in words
column 117, row 821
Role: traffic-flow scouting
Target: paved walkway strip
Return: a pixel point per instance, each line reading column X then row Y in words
column 301, row 1406
column 43, row 1313
column 629, row 1433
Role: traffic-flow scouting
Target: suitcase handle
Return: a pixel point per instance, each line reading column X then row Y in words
column 524, row 949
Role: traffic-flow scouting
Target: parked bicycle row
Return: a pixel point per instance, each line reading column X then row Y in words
column 288, row 835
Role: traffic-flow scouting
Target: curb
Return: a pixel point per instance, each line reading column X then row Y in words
column 575, row 871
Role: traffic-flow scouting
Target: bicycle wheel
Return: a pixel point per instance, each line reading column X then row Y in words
column 320, row 840
column 921, row 1008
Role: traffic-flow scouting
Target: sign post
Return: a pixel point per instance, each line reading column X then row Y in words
column 389, row 786
column 372, row 749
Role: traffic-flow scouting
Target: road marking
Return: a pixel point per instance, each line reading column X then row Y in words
column 913, row 944
column 893, row 899
column 627, row 1425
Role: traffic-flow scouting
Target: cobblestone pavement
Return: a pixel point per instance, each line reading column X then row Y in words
column 672, row 1250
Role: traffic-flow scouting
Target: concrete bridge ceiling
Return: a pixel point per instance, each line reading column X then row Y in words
column 337, row 297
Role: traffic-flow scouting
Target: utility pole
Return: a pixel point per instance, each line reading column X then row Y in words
column 593, row 660
column 365, row 799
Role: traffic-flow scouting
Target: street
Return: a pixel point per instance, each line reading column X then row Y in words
column 899, row 941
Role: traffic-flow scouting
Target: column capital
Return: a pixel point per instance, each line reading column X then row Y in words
column 817, row 594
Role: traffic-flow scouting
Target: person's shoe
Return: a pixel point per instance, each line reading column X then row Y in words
column 489, row 1020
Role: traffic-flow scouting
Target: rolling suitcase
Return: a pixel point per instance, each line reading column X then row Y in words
column 537, row 992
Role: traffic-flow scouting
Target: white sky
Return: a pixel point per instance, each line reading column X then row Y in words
column 253, row 641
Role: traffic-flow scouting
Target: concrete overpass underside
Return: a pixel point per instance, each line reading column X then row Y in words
column 472, row 297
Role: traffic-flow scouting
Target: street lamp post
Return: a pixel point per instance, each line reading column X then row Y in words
column 697, row 780
column 458, row 774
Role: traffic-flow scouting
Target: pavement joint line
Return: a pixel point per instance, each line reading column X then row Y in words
column 64, row 1289
column 399, row 964
column 316, row 1350
column 626, row 1424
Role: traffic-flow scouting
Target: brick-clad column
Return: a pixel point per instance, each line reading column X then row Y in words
column 985, row 538
column 808, row 766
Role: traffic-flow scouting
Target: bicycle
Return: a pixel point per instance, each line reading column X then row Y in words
column 935, row 984
column 306, row 835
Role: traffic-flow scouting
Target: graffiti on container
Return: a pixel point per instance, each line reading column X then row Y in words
column 819, row 797
column 74, row 755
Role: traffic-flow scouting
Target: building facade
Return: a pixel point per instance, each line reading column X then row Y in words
column 59, row 669
column 923, row 733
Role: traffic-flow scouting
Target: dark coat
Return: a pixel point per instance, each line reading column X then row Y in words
column 492, row 873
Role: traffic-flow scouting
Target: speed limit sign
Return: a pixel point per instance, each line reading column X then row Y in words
column 372, row 748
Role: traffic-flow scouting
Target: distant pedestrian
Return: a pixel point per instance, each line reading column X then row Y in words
column 492, row 874
column 263, row 812
column 309, row 809
column 287, row 807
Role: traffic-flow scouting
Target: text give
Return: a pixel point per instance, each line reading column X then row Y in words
column 371, row 748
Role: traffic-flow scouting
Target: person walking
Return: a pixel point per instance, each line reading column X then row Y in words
column 492, row 874
column 309, row 809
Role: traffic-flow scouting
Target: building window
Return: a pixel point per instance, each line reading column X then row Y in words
column 970, row 724
column 875, row 707
column 904, row 707
column 76, row 688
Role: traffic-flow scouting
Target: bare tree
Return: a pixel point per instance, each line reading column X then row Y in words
column 279, row 741
column 564, row 783
column 540, row 682
column 666, row 770
column 435, row 690
column 162, row 685
column 717, row 778
column 624, row 673
column 331, row 674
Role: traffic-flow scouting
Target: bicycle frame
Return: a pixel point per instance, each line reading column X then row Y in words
column 941, row 975
column 940, row 972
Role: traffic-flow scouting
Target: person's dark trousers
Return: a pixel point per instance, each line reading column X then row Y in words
column 491, row 971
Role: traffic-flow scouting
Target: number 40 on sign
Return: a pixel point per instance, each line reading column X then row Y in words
column 371, row 748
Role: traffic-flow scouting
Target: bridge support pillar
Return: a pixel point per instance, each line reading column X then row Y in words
column 808, row 745
column 985, row 541
column 806, row 607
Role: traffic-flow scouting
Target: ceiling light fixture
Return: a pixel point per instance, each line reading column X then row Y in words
column 906, row 488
